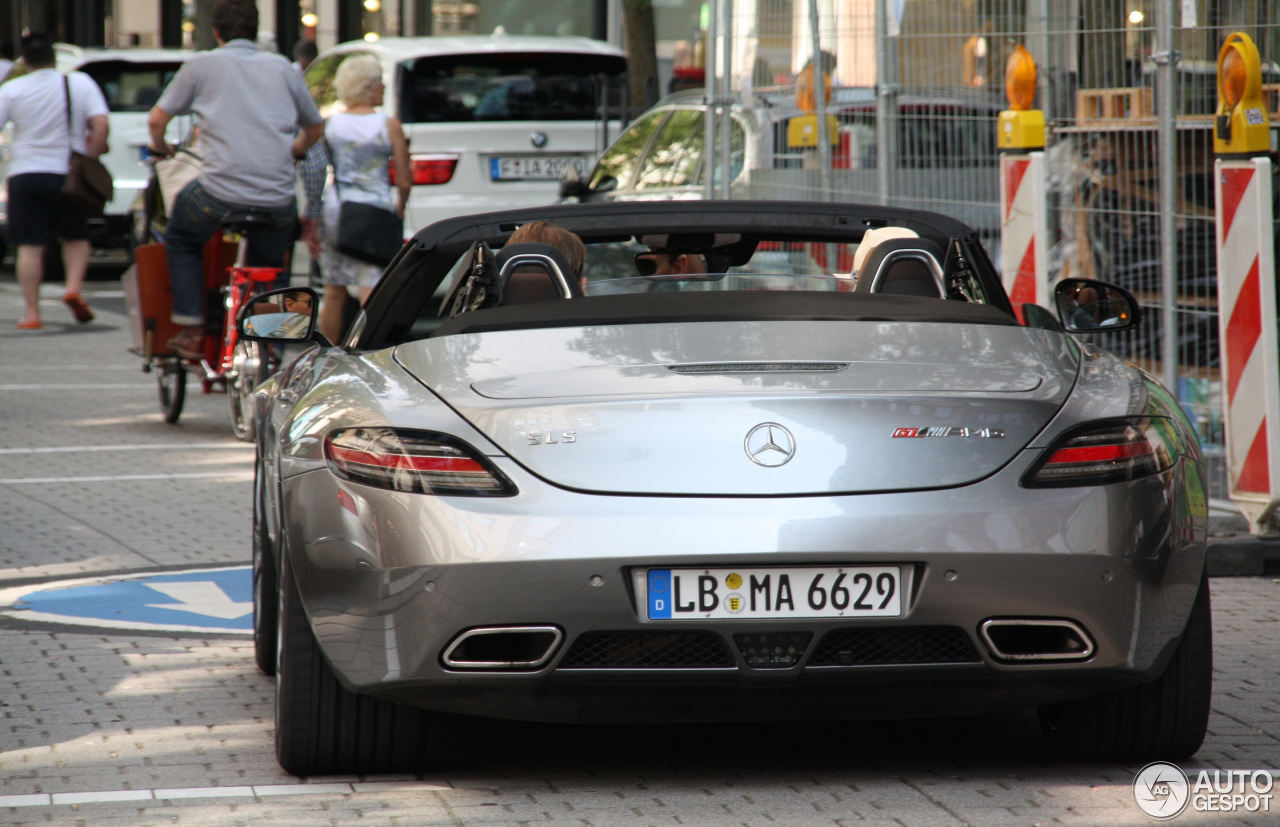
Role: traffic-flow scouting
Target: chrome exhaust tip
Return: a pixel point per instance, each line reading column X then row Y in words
column 503, row 647
column 1023, row 640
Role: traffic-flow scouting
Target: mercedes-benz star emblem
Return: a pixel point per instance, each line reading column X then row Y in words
column 538, row 139
column 769, row 444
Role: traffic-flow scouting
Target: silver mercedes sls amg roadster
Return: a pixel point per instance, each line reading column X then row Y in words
column 758, row 487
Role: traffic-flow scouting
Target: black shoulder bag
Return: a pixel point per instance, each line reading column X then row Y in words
column 366, row 232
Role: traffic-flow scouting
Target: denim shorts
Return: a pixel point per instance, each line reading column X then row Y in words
column 40, row 213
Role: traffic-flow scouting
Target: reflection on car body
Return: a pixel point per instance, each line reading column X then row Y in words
column 760, row 494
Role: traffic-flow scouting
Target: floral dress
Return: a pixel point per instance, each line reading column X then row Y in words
column 360, row 154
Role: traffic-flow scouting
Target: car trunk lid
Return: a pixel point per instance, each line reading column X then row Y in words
column 768, row 408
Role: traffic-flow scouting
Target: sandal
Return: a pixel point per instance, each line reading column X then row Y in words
column 78, row 307
column 189, row 343
column 36, row 325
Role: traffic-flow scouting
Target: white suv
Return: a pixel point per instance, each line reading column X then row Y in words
column 492, row 120
column 131, row 80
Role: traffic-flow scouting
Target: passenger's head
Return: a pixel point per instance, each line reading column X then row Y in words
column 544, row 232
column 37, row 51
column 359, row 80
column 235, row 19
column 305, row 51
column 873, row 237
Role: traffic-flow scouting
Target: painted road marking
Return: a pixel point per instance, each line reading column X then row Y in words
column 60, row 366
column 248, row 791
column 202, row 597
column 77, row 386
column 198, row 475
column 165, row 446
column 208, row 601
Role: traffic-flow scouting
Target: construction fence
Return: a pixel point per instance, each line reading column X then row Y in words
column 1128, row 88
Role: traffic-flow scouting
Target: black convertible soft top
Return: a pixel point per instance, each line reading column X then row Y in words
column 403, row 302
column 758, row 306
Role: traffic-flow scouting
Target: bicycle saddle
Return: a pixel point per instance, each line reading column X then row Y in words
column 244, row 223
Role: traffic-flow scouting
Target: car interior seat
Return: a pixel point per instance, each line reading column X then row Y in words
column 903, row 267
column 531, row 272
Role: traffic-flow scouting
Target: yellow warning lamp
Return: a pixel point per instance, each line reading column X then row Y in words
column 1242, row 126
column 1020, row 126
column 802, row 130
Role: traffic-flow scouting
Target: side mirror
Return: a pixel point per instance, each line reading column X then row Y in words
column 1089, row 306
column 287, row 315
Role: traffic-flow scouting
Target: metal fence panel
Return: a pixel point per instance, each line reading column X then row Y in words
column 915, row 109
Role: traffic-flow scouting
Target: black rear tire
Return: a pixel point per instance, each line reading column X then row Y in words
column 265, row 583
column 321, row 728
column 1162, row 720
column 172, row 385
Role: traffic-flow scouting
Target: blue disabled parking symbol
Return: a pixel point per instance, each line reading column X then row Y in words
column 211, row 601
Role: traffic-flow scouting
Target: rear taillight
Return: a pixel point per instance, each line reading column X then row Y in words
column 429, row 169
column 1116, row 450
column 421, row 462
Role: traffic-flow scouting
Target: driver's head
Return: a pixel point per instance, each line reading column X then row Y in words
column 298, row 302
column 661, row 261
column 678, row 254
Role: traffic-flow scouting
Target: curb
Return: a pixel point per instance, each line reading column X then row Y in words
column 1242, row 555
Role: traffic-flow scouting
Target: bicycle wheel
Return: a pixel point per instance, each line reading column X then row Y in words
column 172, row 384
column 249, row 369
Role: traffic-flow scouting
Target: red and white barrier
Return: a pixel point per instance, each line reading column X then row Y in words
column 1247, row 324
column 1024, row 229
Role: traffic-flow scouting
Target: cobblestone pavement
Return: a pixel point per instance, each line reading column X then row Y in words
column 137, row 728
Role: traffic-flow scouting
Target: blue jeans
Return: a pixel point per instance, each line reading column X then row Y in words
column 195, row 217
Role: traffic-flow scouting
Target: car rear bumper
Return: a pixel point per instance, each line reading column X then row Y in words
column 387, row 602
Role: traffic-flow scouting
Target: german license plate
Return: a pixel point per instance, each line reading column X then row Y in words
column 802, row 591
column 534, row 168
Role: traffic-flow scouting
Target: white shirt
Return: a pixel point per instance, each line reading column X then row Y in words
column 37, row 105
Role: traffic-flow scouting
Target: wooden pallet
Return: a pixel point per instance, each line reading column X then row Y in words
column 1118, row 103
column 1135, row 105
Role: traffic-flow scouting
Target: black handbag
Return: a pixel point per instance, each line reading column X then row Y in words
column 88, row 185
column 366, row 232
column 369, row 233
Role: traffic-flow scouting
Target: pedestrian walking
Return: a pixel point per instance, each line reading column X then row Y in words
column 6, row 59
column 251, row 105
column 52, row 115
column 361, row 143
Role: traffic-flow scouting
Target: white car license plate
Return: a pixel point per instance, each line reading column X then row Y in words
column 802, row 591
column 534, row 168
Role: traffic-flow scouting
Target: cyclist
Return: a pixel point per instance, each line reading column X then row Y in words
column 250, row 104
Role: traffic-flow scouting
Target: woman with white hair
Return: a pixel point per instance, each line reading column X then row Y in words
column 361, row 141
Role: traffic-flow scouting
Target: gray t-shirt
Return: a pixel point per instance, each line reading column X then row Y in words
column 250, row 105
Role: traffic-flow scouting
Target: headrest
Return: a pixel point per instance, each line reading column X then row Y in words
column 873, row 238
column 534, row 267
column 900, row 249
